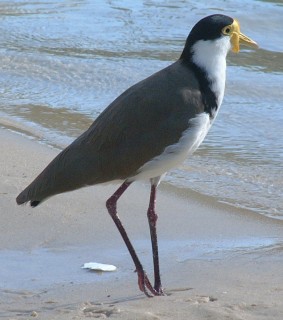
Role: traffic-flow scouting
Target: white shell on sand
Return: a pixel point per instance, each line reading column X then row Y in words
column 98, row 266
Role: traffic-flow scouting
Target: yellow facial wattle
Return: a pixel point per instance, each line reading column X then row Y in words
column 237, row 38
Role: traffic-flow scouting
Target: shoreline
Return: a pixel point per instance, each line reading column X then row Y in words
column 33, row 134
column 216, row 261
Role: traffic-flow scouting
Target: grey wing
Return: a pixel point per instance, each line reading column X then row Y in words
column 135, row 127
column 142, row 122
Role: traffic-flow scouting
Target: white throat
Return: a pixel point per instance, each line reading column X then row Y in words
column 210, row 56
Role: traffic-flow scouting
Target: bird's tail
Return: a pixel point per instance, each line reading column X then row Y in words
column 44, row 185
column 32, row 193
column 23, row 197
column 55, row 178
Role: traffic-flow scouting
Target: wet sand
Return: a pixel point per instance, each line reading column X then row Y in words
column 217, row 262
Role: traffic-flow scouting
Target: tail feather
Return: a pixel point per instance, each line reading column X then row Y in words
column 55, row 179
column 43, row 186
column 34, row 203
column 23, row 197
column 73, row 168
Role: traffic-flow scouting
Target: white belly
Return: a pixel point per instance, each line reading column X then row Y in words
column 175, row 154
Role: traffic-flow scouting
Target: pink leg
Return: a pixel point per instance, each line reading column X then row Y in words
column 152, row 218
column 111, row 204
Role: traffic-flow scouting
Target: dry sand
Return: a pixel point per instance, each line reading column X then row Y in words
column 217, row 262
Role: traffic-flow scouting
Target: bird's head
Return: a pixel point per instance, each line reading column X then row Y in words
column 216, row 31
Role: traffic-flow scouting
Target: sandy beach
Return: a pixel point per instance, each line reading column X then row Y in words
column 217, row 261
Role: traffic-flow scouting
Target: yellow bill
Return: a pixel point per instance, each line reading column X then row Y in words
column 237, row 38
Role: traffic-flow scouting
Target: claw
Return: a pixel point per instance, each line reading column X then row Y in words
column 159, row 291
column 146, row 287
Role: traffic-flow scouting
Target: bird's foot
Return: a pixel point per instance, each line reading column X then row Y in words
column 146, row 287
column 159, row 290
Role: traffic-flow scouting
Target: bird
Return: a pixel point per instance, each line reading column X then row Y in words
column 149, row 129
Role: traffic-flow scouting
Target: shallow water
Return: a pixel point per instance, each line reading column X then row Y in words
column 44, row 268
column 62, row 63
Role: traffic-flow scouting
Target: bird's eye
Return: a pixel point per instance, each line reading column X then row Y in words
column 227, row 30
